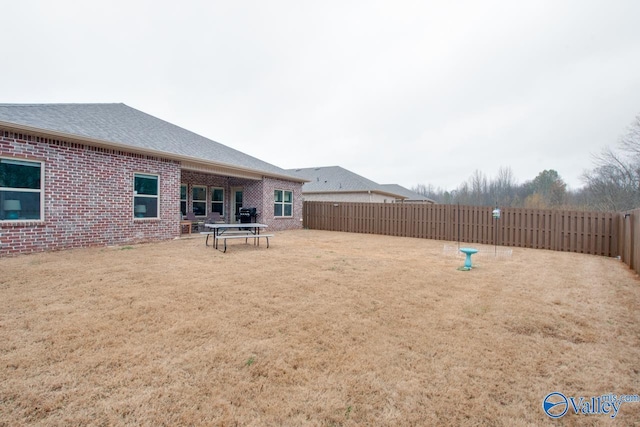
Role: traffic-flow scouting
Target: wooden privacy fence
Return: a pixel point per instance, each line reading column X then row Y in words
column 595, row 233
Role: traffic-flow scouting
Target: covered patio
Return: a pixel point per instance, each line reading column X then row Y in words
column 220, row 193
column 202, row 195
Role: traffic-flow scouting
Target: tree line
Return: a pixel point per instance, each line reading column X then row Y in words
column 613, row 184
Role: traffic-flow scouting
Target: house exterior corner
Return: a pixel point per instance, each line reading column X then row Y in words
column 87, row 196
column 274, row 188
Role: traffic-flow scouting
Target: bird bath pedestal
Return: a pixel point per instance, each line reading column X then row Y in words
column 468, row 252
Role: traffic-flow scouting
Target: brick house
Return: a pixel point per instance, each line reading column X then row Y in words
column 75, row 175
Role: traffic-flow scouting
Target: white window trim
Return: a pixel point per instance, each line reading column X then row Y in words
column 211, row 202
column 135, row 193
column 205, row 201
column 186, row 200
column 283, row 203
column 28, row 190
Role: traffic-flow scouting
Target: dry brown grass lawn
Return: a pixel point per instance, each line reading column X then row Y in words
column 321, row 329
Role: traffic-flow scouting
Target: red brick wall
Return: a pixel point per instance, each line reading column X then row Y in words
column 88, row 197
column 259, row 194
column 295, row 222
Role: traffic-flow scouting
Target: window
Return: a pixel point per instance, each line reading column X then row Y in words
column 199, row 200
column 217, row 200
column 21, row 190
column 145, row 195
column 283, row 205
column 183, row 199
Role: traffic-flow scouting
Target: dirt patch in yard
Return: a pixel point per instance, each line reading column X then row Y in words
column 321, row 329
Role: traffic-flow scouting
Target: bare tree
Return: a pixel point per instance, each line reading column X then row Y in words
column 614, row 184
column 630, row 141
column 502, row 187
column 479, row 188
column 428, row 190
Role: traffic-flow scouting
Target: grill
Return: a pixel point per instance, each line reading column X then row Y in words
column 248, row 215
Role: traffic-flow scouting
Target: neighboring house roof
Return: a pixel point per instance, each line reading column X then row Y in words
column 122, row 127
column 408, row 194
column 335, row 179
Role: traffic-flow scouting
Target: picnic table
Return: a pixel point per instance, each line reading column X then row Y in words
column 249, row 230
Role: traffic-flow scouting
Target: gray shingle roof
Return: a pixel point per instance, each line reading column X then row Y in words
column 405, row 192
column 331, row 179
column 121, row 124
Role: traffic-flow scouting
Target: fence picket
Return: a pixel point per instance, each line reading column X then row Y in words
column 598, row 233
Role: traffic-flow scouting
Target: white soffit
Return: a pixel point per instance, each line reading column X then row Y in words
column 219, row 170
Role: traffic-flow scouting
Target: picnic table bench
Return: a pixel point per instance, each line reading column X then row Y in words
column 246, row 236
column 225, row 232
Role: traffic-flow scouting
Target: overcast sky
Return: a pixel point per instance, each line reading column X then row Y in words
column 402, row 92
